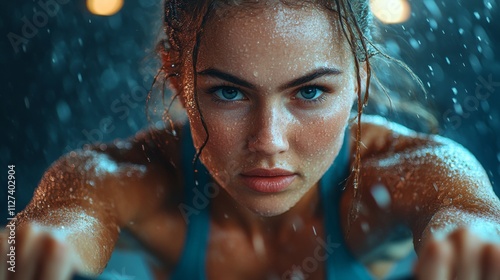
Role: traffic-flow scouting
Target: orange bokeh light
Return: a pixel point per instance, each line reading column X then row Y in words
column 391, row 11
column 104, row 7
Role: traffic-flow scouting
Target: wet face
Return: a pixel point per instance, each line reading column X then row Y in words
column 275, row 87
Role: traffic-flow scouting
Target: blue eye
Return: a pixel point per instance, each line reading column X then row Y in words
column 310, row 93
column 228, row 94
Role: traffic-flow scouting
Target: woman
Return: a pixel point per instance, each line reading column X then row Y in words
column 268, row 89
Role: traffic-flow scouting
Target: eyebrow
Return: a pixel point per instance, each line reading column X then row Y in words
column 310, row 76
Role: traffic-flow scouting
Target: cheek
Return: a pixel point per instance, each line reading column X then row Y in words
column 319, row 140
column 322, row 139
column 225, row 142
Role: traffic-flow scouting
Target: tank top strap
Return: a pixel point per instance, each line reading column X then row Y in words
column 195, row 210
column 340, row 263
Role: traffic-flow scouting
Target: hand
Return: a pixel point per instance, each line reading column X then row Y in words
column 39, row 254
column 461, row 254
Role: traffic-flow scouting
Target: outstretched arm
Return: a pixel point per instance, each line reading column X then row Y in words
column 74, row 219
column 439, row 190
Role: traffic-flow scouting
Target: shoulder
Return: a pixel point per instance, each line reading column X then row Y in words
column 404, row 175
column 400, row 156
column 149, row 147
column 384, row 138
column 139, row 172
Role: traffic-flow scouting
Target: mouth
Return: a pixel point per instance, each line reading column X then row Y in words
column 268, row 180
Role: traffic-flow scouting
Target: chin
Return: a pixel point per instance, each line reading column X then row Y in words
column 267, row 205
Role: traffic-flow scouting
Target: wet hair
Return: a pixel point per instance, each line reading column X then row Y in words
column 184, row 22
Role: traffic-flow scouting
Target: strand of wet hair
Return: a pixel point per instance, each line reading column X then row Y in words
column 196, row 47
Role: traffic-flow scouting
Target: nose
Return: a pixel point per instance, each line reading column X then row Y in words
column 269, row 132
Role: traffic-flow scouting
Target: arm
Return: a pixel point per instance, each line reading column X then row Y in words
column 428, row 183
column 86, row 197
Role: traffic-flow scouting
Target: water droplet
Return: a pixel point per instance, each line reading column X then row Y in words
column 365, row 227
column 447, row 201
column 381, row 196
column 27, row 102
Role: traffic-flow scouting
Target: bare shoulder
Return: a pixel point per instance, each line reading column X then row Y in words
column 405, row 177
column 137, row 176
column 381, row 136
column 422, row 160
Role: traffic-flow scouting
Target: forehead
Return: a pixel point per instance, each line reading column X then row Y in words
column 276, row 34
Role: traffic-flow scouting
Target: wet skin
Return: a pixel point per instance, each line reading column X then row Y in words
column 268, row 121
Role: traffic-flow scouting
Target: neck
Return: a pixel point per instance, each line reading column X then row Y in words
column 227, row 212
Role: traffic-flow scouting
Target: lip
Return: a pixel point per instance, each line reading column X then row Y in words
column 263, row 172
column 268, row 180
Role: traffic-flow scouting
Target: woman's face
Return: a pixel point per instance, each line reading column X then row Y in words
column 275, row 87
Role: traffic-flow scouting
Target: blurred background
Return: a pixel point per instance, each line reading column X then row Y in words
column 76, row 72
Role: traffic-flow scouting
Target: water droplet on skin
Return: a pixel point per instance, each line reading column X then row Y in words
column 447, row 201
column 381, row 196
column 365, row 227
